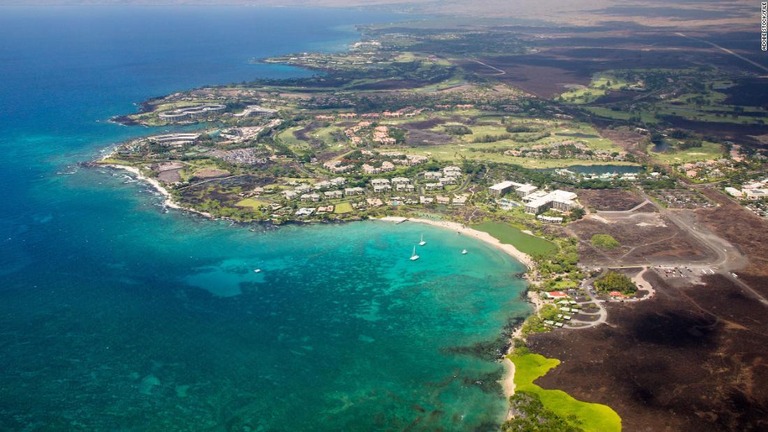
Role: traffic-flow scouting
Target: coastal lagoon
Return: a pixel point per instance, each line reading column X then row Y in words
column 115, row 314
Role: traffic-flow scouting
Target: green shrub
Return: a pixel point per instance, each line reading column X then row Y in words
column 604, row 241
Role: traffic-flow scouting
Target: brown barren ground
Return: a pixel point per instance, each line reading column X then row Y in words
column 645, row 238
column 609, row 200
column 691, row 359
column 742, row 228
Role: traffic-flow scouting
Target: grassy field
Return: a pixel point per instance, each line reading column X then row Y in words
column 599, row 86
column 493, row 152
column 251, row 203
column 289, row 139
column 508, row 234
column 591, row 416
column 707, row 151
column 343, row 207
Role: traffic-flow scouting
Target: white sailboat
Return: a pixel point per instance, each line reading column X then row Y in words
column 422, row 242
column 414, row 257
column 464, row 252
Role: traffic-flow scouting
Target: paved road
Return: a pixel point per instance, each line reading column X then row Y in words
column 726, row 50
column 729, row 258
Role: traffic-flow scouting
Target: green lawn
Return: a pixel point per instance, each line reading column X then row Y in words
column 251, row 203
column 525, row 243
column 343, row 207
column 707, row 151
column 454, row 152
column 591, row 416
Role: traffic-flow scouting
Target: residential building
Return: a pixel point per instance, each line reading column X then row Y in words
column 334, row 194
column 460, row 200
column 310, row 197
column 354, row 191
column 734, row 192
column 400, row 180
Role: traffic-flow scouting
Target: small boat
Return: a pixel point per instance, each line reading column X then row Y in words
column 464, row 252
column 257, row 270
column 422, row 242
column 414, row 257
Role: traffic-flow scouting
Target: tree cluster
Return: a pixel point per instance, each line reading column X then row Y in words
column 615, row 281
column 531, row 416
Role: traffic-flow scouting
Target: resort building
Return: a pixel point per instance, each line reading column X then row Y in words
column 304, row 211
column 338, row 181
column 460, row 200
column 354, row 191
column 255, row 110
column 192, row 112
column 550, row 219
column 303, row 188
column 501, row 189
column 310, row 197
column 333, row 194
column 557, row 199
column 400, row 180
column 322, row 185
column 522, row 190
column 174, row 140
column 452, row 171
column 337, row 167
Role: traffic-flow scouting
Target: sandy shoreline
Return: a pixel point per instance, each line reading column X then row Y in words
column 158, row 187
column 508, row 380
column 525, row 259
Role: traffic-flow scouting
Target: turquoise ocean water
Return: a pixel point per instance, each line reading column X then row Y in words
column 117, row 316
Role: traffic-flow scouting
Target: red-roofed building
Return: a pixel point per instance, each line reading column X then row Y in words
column 556, row 295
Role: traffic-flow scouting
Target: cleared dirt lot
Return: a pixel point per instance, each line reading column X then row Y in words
column 646, row 238
column 742, row 228
column 609, row 200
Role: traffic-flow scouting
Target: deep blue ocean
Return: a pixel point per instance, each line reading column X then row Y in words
column 117, row 316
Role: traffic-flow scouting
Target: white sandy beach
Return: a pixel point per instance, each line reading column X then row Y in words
column 157, row 186
column 482, row 236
